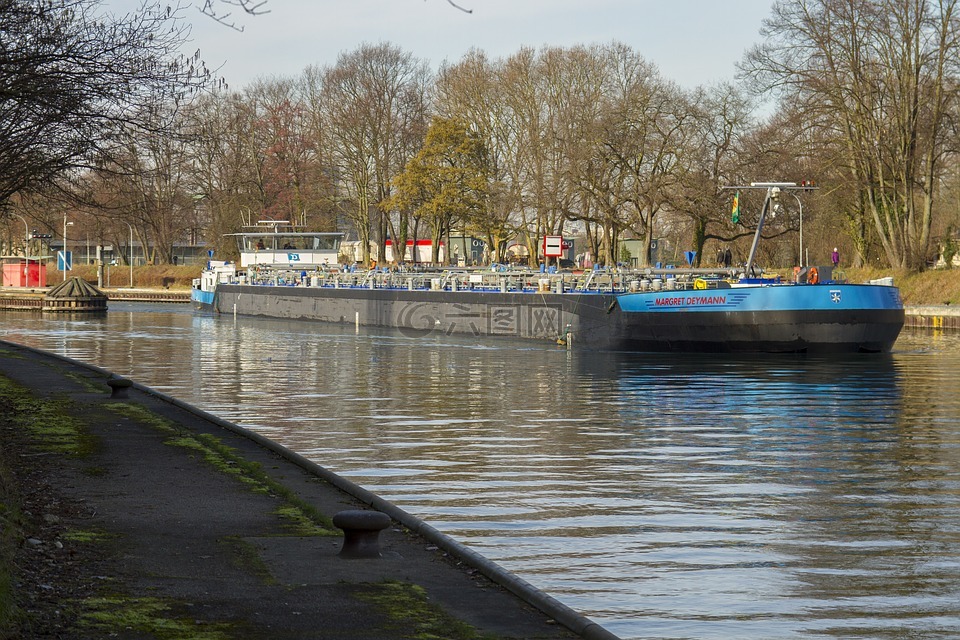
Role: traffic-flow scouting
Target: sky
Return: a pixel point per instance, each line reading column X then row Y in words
column 692, row 42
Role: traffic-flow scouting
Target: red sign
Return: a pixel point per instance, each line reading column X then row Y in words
column 553, row 246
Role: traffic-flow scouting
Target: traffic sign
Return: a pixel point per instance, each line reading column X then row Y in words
column 553, row 246
column 64, row 261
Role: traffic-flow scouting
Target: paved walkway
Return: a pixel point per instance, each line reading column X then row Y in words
column 178, row 527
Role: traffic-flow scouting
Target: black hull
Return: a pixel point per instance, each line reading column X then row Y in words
column 814, row 331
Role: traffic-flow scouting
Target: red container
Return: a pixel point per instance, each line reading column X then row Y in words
column 25, row 274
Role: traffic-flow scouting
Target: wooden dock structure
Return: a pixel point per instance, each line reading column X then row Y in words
column 32, row 299
column 75, row 295
column 148, row 295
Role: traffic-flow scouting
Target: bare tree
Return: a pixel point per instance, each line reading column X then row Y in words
column 149, row 185
column 469, row 90
column 542, row 92
column 710, row 161
column 71, row 78
column 883, row 75
column 224, row 176
column 634, row 164
column 215, row 9
column 375, row 104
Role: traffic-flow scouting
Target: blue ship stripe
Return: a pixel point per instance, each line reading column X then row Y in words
column 826, row 297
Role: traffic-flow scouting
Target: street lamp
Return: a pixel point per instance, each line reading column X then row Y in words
column 65, row 225
column 800, row 204
column 26, row 247
column 130, row 252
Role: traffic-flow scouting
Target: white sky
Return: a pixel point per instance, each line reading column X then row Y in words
column 693, row 42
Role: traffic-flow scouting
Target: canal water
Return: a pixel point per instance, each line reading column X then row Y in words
column 703, row 497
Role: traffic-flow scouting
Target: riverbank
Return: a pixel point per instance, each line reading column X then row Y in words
column 143, row 517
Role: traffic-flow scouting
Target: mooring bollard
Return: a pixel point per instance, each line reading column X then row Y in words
column 118, row 388
column 361, row 532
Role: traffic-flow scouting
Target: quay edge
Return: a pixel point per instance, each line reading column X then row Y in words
column 134, row 453
column 932, row 317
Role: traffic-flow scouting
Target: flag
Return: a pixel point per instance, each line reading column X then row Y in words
column 735, row 210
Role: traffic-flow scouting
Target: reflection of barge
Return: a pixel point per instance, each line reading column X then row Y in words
column 647, row 310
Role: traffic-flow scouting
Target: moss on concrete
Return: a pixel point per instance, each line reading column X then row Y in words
column 303, row 519
column 49, row 421
column 152, row 617
column 247, row 557
column 92, row 386
column 407, row 606
column 85, row 537
column 10, row 521
column 51, row 429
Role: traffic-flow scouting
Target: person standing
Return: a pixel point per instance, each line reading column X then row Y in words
column 835, row 257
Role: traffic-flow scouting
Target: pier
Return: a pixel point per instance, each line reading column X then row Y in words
column 148, row 295
column 32, row 299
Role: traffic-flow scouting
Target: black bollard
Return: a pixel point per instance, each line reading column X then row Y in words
column 118, row 387
column 361, row 532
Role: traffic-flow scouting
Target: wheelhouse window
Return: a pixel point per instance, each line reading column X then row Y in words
column 300, row 242
column 255, row 243
column 326, row 243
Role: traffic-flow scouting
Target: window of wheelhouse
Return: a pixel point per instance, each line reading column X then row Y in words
column 326, row 243
column 255, row 243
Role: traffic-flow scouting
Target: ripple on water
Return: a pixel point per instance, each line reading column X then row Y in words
column 666, row 497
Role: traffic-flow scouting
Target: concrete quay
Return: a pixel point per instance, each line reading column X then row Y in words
column 932, row 317
column 125, row 513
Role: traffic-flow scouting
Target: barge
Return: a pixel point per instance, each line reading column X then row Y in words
column 284, row 274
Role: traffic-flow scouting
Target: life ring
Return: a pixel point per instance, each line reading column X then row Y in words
column 812, row 276
column 699, row 283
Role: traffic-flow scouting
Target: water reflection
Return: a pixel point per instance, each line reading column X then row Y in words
column 665, row 496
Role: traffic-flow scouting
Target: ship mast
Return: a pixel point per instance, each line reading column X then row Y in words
column 772, row 197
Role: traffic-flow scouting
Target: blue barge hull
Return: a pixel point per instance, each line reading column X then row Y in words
column 811, row 318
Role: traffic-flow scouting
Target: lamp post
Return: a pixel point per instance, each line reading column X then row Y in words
column 800, row 204
column 65, row 225
column 130, row 252
column 26, row 245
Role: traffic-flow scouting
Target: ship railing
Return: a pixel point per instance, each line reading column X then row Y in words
column 525, row 281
